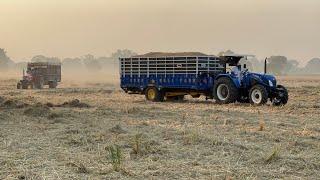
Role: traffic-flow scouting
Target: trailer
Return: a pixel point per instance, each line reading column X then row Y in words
column 171, row 76
column 39, row 74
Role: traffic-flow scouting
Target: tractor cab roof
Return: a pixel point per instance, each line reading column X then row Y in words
column 233, row 59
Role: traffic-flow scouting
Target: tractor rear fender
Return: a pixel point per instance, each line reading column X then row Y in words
column 233, row 79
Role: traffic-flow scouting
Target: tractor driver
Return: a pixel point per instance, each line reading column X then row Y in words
column 236, row 72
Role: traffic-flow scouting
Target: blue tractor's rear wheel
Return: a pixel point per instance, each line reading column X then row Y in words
column 224, row 91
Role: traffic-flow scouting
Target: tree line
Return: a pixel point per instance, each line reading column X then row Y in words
column 281, row 65
column 87, row 62
column 278, row 65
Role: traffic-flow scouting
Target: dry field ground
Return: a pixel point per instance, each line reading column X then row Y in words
column 45, row 136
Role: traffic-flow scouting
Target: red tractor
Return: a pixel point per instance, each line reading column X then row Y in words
column 39, row 74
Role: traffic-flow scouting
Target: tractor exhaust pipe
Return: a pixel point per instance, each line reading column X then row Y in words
column 265, row 66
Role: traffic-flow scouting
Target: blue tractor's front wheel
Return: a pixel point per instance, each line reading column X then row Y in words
column 258, row 95
column 282, row 96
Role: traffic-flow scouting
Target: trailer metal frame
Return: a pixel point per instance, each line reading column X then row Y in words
column 169, row 72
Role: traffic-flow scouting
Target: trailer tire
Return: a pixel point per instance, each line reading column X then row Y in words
column 258, row 95
column 153, row 94
column 224, row 91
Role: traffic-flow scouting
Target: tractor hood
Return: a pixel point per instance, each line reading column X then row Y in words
column 267, row 79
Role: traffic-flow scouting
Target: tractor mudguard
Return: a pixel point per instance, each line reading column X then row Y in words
column 256, row 80
column 234, row 79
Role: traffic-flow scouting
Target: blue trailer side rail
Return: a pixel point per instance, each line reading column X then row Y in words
column 170, row 72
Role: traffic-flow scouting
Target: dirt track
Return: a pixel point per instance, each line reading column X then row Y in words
column 190, row 139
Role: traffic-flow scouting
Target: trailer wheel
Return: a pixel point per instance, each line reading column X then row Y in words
column 153, row 94
column 282, row 96
column 258, row 95
column 224, row 91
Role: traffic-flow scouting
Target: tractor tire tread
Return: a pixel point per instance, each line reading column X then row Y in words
column 234, row 93
column 285, row 98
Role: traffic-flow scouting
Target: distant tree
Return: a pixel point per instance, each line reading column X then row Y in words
column 20, row 66
column 123, row 53
column 105, row 61
column 89, row 57
column 256, row 64
column 91, row 63
column 313, row 66
column 292, row 67
column 277, row 65
column 72, row 63
column 5, row 61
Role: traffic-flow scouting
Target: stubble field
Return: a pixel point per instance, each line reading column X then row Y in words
column 78, row 131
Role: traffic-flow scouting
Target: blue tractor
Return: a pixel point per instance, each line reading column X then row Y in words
column 171, row 76
column 244, row 86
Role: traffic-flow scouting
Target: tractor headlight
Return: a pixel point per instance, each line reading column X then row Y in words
column 270, row 83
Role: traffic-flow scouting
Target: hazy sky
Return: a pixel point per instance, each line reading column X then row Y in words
column 69, row 28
